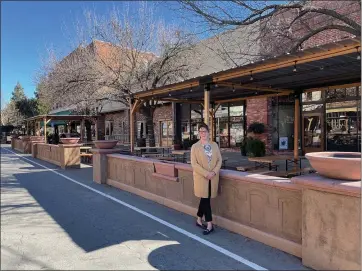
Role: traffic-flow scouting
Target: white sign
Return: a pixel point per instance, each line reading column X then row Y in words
column 283, row 143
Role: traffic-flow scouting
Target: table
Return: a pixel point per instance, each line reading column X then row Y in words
column 140, row 149
column 181, row 153
column 85, row 149
column 267, row 161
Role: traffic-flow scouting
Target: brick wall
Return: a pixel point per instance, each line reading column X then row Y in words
column 259, row 110
column 273, row 34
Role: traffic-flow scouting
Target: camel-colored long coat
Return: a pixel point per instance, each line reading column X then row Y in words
column 201, row 169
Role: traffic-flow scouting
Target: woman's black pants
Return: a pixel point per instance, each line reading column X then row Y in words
column 205, row 207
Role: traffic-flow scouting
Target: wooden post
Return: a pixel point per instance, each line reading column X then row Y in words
column 207, row 104
column 96, row 128
column 133, row 110
column 82, row 130
column 296, row 128
column 212, row 124
column 45, row 130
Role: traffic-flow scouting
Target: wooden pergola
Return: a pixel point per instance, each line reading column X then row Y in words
column 334, row 65
column 47, row 118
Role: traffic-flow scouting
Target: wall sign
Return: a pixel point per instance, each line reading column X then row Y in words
column 283, row 143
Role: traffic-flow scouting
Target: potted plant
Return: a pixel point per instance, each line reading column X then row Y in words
column 255, row 147
column 256, row 128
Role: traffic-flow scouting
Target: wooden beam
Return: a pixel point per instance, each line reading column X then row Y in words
column 285, row 93
column 288, row 63
column 175, row 100
column 357, row 84
column 251, row 87
column 166, row 89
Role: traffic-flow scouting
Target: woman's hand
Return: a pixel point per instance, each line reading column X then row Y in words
column 210, row 175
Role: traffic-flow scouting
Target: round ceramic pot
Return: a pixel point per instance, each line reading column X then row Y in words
column 105, row 144
column 337, row 165
column 69, row 140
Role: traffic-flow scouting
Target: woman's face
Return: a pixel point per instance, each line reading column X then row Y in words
column 204, row 134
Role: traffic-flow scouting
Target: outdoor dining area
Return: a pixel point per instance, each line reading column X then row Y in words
column 284, row 200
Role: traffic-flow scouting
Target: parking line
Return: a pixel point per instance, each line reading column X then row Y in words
column 163, row 222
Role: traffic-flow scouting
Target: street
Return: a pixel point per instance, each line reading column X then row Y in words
column 60, row 219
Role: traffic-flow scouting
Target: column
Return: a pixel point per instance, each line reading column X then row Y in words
column 207, row 104
column 131, row 125
column 82, row 130
column 296, row 127
column 45, row 130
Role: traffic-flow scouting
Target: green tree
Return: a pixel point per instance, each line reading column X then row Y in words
column 27, row 107
column 18, row 93
column 43, row 106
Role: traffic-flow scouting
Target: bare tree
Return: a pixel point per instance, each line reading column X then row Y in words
column 10, row 115
column 280, row 27
column 127, row 54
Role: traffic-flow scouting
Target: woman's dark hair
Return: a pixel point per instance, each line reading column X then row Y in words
column 203, row 125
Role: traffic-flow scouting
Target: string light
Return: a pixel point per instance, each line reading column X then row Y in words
column 251, row 76
column 169, row 94
column 233, row 88
column 191, row 89
column 295, row 66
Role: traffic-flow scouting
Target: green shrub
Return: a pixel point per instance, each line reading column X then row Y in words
column 255, row 147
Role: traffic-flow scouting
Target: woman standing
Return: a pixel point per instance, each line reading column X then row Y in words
column 206, row 163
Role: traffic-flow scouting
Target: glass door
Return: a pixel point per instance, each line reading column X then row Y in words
column 313, row 132
column 166, row 133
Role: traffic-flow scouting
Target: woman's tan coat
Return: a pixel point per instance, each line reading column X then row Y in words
column 201, row 169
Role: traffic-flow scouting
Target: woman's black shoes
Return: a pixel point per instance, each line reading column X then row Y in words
column 202, row 226
column 207, row 231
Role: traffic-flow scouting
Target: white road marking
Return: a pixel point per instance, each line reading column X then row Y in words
column 163, row 222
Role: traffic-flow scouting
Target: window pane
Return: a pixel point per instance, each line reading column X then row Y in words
column 343, row 126
column 312, row 96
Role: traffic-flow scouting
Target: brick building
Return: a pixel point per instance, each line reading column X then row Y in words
column 173, row 120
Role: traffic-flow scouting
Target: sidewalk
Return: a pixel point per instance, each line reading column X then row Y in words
column 49, row 221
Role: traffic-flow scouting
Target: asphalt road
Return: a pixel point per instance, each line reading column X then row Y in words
column 60, row 219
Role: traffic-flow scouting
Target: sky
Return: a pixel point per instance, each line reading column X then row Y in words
column 29, row 27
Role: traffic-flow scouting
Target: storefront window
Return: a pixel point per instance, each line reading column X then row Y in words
column 283, row 124
column 221, row 122
column 236, row 124
column 343, row 126
column 312, row 96
column 310, row 108
column 185, row 130
column 196, row 119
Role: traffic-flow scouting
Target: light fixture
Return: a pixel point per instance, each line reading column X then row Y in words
column 251, row 76
column 191, row 89
column 295, row 66
column 216, row 85
column 169, row 94
column 233, row 88
column 321, row 68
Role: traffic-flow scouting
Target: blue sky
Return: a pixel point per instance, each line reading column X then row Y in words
column 28, row 27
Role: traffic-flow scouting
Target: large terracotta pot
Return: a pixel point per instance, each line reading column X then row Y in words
column 69, row 140
column 105, row 144
column 337, row 165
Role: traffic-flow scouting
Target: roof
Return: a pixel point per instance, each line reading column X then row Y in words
column 60, row 117
column 330, row 64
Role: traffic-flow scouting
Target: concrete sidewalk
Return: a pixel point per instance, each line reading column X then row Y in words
column 51, row 222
